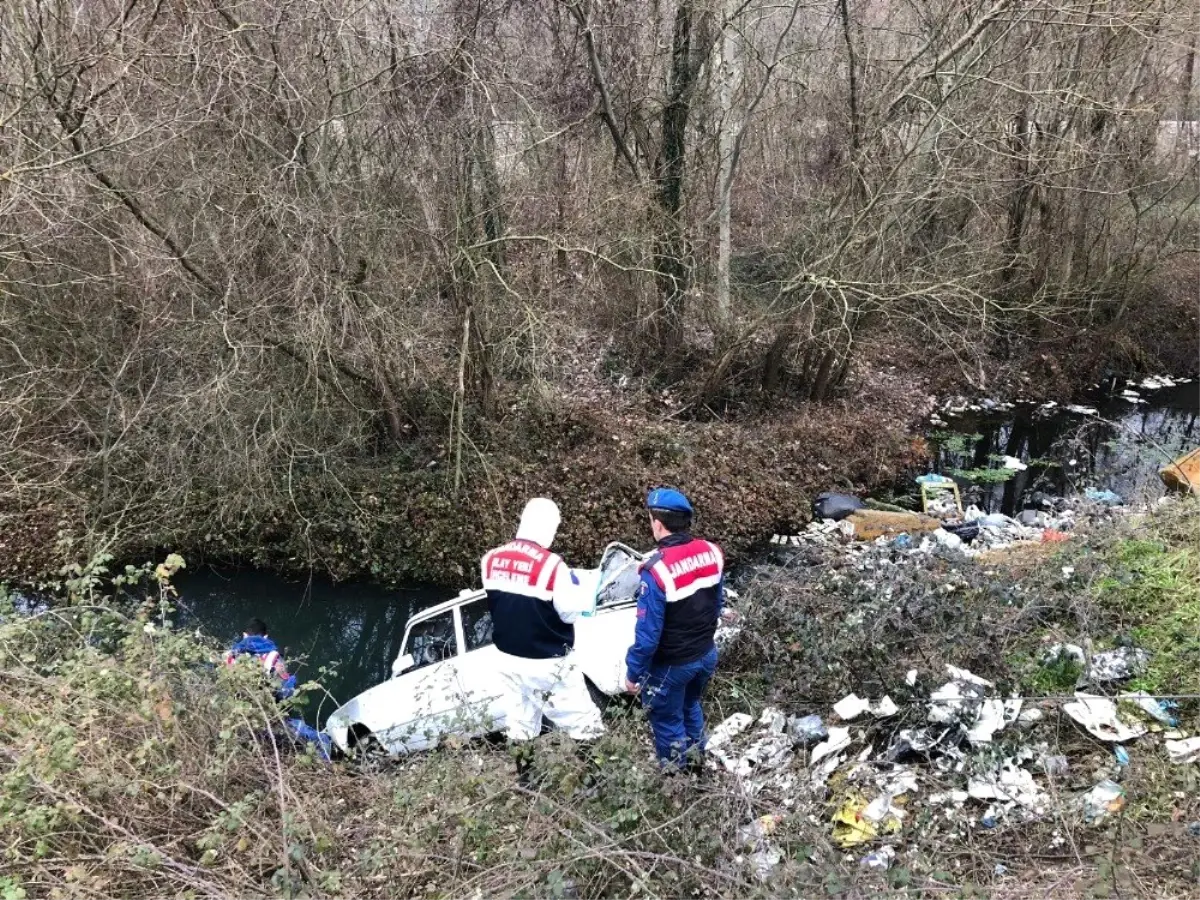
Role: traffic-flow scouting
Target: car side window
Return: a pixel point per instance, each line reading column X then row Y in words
column 432, row 641
column 477, row 624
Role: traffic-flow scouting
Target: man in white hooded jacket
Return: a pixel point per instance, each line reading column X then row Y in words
column 534, row 599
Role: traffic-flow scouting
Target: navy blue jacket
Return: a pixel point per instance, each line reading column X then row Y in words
column 680, row 599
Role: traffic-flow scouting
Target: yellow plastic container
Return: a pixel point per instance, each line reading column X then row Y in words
column 1183, row 474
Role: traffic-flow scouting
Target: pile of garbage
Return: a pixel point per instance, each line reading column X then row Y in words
column 841, row 518
column 964, row 757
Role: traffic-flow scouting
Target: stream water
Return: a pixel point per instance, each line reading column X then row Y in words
column 353, row 630
column 344, row 635
column 1115, row 440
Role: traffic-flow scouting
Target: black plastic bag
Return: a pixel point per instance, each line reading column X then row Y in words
column 966, row 531
column 835, row 506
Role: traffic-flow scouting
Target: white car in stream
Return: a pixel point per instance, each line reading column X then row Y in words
column 444, row 680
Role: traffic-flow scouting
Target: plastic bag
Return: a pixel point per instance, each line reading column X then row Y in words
column 834, row 506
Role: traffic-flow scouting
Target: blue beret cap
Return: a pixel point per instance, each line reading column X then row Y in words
column 668, row 499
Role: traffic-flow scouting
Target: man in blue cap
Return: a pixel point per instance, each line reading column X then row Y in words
column 674, row 654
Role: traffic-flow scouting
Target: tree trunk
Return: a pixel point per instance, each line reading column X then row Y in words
column 671, row 263
column 727, row 73
column 1018, row 203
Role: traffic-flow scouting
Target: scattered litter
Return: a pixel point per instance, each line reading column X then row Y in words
column 852, row 826
column 1182, row 752
column 1029, row 716
column 885, row 708
column 1058, row 652
column 1104, row 799
column 964, row 700
column 994, row 714
column 963, row 675
column 835, row 506
column 771, row 751
column 1118, row 664
column 765, row 861
column 1010, row 784
column 1082, row 410
column 754, row 832
column 1194, row 829
column 964, row 531
column 728, row 730
column 839, row 739
column 851, row 707
column 1159, row 710
column 1122, row 756
column 1001, row 870
column 1014, row 464
column 881, row 858
column 911, row 677
column 996, row 520
column 1108, row 498
column 948, row 539
column 806, row 729
column 1032, row 518
column 1108, row 665
column 1098, row 715
column 1157, row 382
column 1055, row 766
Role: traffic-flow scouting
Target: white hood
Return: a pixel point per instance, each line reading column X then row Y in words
column 539, row 522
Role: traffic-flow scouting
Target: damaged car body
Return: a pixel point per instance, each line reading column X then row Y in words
column 444, row 679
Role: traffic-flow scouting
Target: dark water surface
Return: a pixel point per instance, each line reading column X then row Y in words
column 1118, row 445
column 352, row 629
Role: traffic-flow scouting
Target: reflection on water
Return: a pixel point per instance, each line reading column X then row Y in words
column 1120, row 448
column 354, row 629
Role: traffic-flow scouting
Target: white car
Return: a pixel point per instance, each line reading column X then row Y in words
column 444, row 680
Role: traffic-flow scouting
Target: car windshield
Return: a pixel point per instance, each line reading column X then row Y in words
column 618, row 576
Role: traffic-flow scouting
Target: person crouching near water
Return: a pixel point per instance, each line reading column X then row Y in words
column 256, row 643
column 681, row 599
column 534, row 600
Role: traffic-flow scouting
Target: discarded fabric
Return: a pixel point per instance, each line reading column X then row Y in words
column 1118, row 664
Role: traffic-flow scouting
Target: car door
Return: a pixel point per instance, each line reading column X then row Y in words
column 603, row 638
column 412, row 710
column 480, row 685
